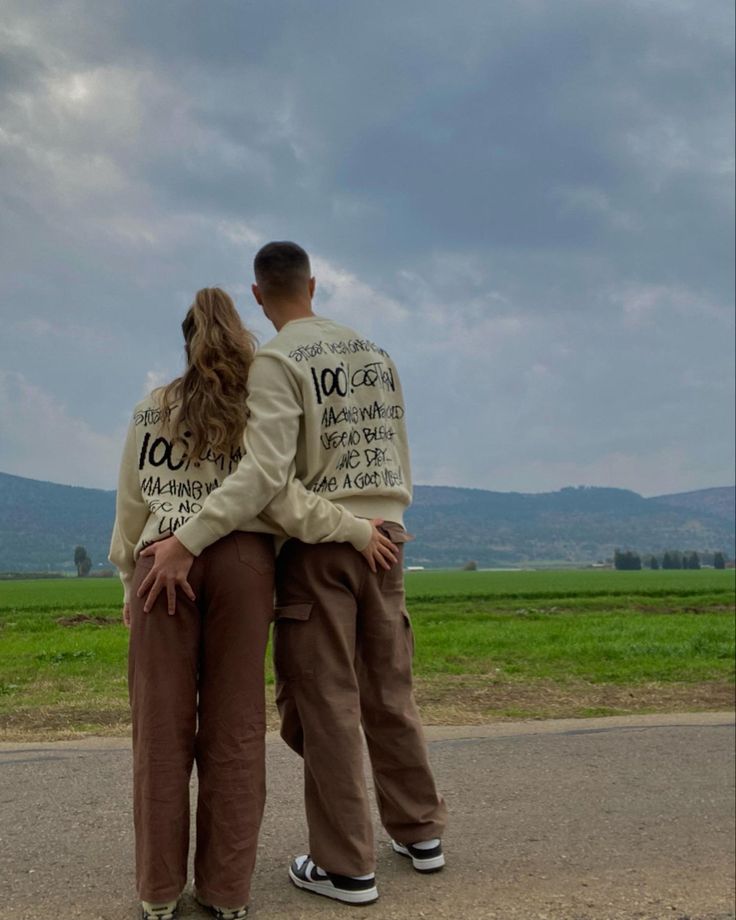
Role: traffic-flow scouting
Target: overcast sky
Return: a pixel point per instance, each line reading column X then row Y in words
column 529, row 203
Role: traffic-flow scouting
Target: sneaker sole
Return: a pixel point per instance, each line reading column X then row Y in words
column 208, row 907
column 433, row 864
column 369, row 896
column 147, row 915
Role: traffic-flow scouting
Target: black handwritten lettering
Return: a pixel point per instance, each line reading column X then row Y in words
column 352, row 414
column 329, row 381
column 160, row 452
column 152, row 416
column 376, row 456
column 377, row 374
column 305, row 352
column 381, row 411
column 349, row 460
column 392, row 478
column 353, row 346
column 326, row 484
column 331, row 440
column 379, row 433
column 170, row 524
column 367, row 480
column 153, row 485
column 331, row 416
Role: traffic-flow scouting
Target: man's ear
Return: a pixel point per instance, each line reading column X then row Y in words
column 312, row 286
column 256, row 294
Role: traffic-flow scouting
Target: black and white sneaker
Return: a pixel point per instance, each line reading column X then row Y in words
column 424, row 858
column 305, row 874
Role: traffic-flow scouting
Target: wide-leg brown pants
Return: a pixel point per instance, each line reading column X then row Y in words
column 197, row 693
column 342, row 650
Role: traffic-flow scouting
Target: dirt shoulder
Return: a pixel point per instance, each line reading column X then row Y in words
column 443, row 700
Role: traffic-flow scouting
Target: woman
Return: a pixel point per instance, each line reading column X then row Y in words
column 196, row 679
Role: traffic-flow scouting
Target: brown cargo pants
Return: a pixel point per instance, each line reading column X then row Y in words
column 342, row 651
column 197, row 694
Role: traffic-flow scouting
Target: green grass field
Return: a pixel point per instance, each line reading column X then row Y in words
column 568, row 584
column 489, row 645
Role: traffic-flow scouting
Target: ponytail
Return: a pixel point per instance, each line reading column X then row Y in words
column 211, row 394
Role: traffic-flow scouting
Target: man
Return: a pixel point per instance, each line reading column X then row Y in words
column 328, row 401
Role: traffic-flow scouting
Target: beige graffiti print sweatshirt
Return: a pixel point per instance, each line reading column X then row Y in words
column 326, row 404
column 161, row 487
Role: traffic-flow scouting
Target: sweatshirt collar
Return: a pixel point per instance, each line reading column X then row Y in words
column 302, row 319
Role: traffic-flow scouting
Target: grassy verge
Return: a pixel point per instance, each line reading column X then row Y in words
column 485, row 649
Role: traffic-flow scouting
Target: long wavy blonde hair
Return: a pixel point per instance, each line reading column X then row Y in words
column 206, row 405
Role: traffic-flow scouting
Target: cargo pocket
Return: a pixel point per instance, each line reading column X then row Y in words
column 292, row 653
column 395, row 533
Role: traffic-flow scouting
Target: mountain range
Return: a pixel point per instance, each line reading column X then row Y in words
column 42, row 522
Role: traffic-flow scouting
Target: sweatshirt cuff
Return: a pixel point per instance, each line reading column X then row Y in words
column 126, row 579
column 195, row 536
column 355, row 530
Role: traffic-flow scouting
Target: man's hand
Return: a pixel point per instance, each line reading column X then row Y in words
column 380, row 551
column 172, row 562
column 126, row 615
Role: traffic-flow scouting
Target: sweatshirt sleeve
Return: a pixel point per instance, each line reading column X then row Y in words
column 271, row 436
column 131, row 513
column 312, row 519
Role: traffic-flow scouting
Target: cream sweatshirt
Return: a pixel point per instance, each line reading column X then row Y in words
column 161, row 487
column 326, row 404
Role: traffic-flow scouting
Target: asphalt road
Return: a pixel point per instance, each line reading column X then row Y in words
column 599, row 819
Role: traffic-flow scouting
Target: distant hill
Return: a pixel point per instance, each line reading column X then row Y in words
column 42, row 522
column 719, row 502
column 574, row 525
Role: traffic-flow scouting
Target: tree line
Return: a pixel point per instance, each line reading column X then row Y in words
column 627, row 560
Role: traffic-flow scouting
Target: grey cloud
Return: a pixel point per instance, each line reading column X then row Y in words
column 545, row 188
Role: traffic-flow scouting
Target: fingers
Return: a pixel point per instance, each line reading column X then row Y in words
column 146, row 583
column 386, row 552
column 378, row 554
column 150, row 550
column 171, row 597
column 389, row 548
column 158, row 585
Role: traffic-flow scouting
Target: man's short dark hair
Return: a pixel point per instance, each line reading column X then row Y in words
column 281, row 268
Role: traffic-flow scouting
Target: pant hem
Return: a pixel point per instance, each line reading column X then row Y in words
column 350, row 872
column 157, row 898
column 420, row 837
column 211, row 897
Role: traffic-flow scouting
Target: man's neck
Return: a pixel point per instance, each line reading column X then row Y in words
column 286, row 312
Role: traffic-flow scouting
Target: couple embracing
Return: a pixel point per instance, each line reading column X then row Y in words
column 264, row 487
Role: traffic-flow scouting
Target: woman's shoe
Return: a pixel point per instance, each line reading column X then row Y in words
column 221, row 913
column 152, row 911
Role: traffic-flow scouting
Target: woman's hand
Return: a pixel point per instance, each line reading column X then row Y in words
column 380, row 551
column 126, row 614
